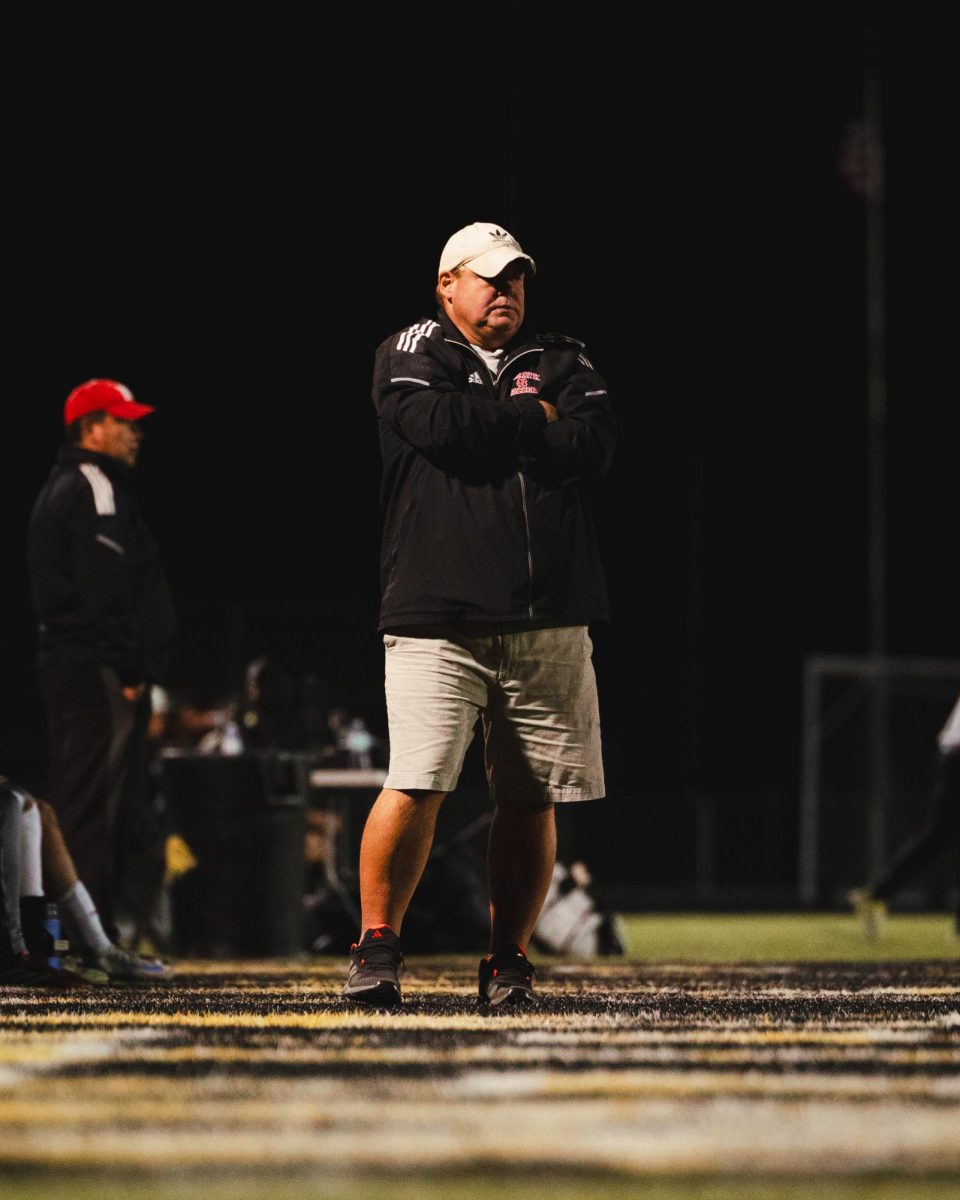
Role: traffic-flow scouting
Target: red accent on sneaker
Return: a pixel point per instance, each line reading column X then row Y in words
column 377, row 933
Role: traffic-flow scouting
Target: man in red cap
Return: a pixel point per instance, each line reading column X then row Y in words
column 106, row 626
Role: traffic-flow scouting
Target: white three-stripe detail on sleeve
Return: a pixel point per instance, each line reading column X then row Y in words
column 409, row 338
column 102, row 489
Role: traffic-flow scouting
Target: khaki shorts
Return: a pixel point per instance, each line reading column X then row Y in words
column 535, row 692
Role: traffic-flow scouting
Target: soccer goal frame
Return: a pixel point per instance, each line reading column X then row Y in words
column 873, row 679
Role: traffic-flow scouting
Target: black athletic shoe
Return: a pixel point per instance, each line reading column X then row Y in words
column 376, row 963
column 506, row 978
column 28, row 970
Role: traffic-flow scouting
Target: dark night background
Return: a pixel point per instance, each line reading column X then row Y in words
column 232, row 230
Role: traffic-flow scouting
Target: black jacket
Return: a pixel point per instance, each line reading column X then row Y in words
column 485, row 517
column 99, row 591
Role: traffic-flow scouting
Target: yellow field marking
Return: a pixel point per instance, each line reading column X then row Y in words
column 253, row 1020
column 530, row 1028
column 811, row 1037
column 154, row 1111
column 135, row 1098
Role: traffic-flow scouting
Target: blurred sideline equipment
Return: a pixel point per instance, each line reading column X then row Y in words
column 569, row 921
column 236, row 865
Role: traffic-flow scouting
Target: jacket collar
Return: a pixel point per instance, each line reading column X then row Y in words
column 69, row 456
column 452, row 333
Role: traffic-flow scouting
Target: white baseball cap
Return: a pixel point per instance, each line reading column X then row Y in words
column 486, row 249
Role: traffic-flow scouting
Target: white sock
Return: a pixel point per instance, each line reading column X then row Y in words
column 31, row 870
column 81, row 915
column 10, row 866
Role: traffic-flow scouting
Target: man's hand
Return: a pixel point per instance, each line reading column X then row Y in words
column 550, row 410
column 134, row 693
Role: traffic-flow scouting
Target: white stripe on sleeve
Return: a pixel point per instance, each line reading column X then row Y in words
column 102, row 489
column 111, row 543
column 409, row 338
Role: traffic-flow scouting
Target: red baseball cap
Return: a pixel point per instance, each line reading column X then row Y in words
column 103, row 395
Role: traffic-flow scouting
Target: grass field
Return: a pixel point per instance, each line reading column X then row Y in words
column 726, row 1057
column 785, row 937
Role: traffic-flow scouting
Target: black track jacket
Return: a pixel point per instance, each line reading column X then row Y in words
column 99, row 591
column 484, row 513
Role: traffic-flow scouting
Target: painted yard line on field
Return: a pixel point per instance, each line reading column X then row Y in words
column 861, row 1036
column 225, row 1088
column 344, row 1018
column 930, row 1035
column 498, row 1057
column 716, row 1134
column 138, row 1099
column 23, row 1063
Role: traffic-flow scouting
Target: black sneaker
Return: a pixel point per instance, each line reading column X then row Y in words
column 376, row 962
column 506, row 978
column 28, row 970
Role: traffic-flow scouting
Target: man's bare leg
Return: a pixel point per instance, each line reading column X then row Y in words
column 521, row 855
column 393, row 853
column 59, row 873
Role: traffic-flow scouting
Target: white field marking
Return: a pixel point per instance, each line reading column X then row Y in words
column 39, row 1055
column 716, row 1134
column 531, row 1058
column 154, row 1113
column 647, row 1082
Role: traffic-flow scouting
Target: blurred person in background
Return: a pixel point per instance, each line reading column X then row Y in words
column 35, row 869
column 105, row 630
column 939, row 834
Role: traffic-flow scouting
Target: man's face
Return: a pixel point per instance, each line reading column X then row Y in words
column 115, row 437
column 488, row 311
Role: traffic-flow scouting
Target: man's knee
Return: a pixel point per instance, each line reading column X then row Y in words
column 515, row 808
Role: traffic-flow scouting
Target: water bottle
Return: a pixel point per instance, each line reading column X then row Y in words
column 57, row 944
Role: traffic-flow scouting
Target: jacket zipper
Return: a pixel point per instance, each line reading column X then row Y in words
column 526, row 525
column 523, row 486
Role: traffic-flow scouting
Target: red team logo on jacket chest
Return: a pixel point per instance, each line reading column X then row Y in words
column 527, row 383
